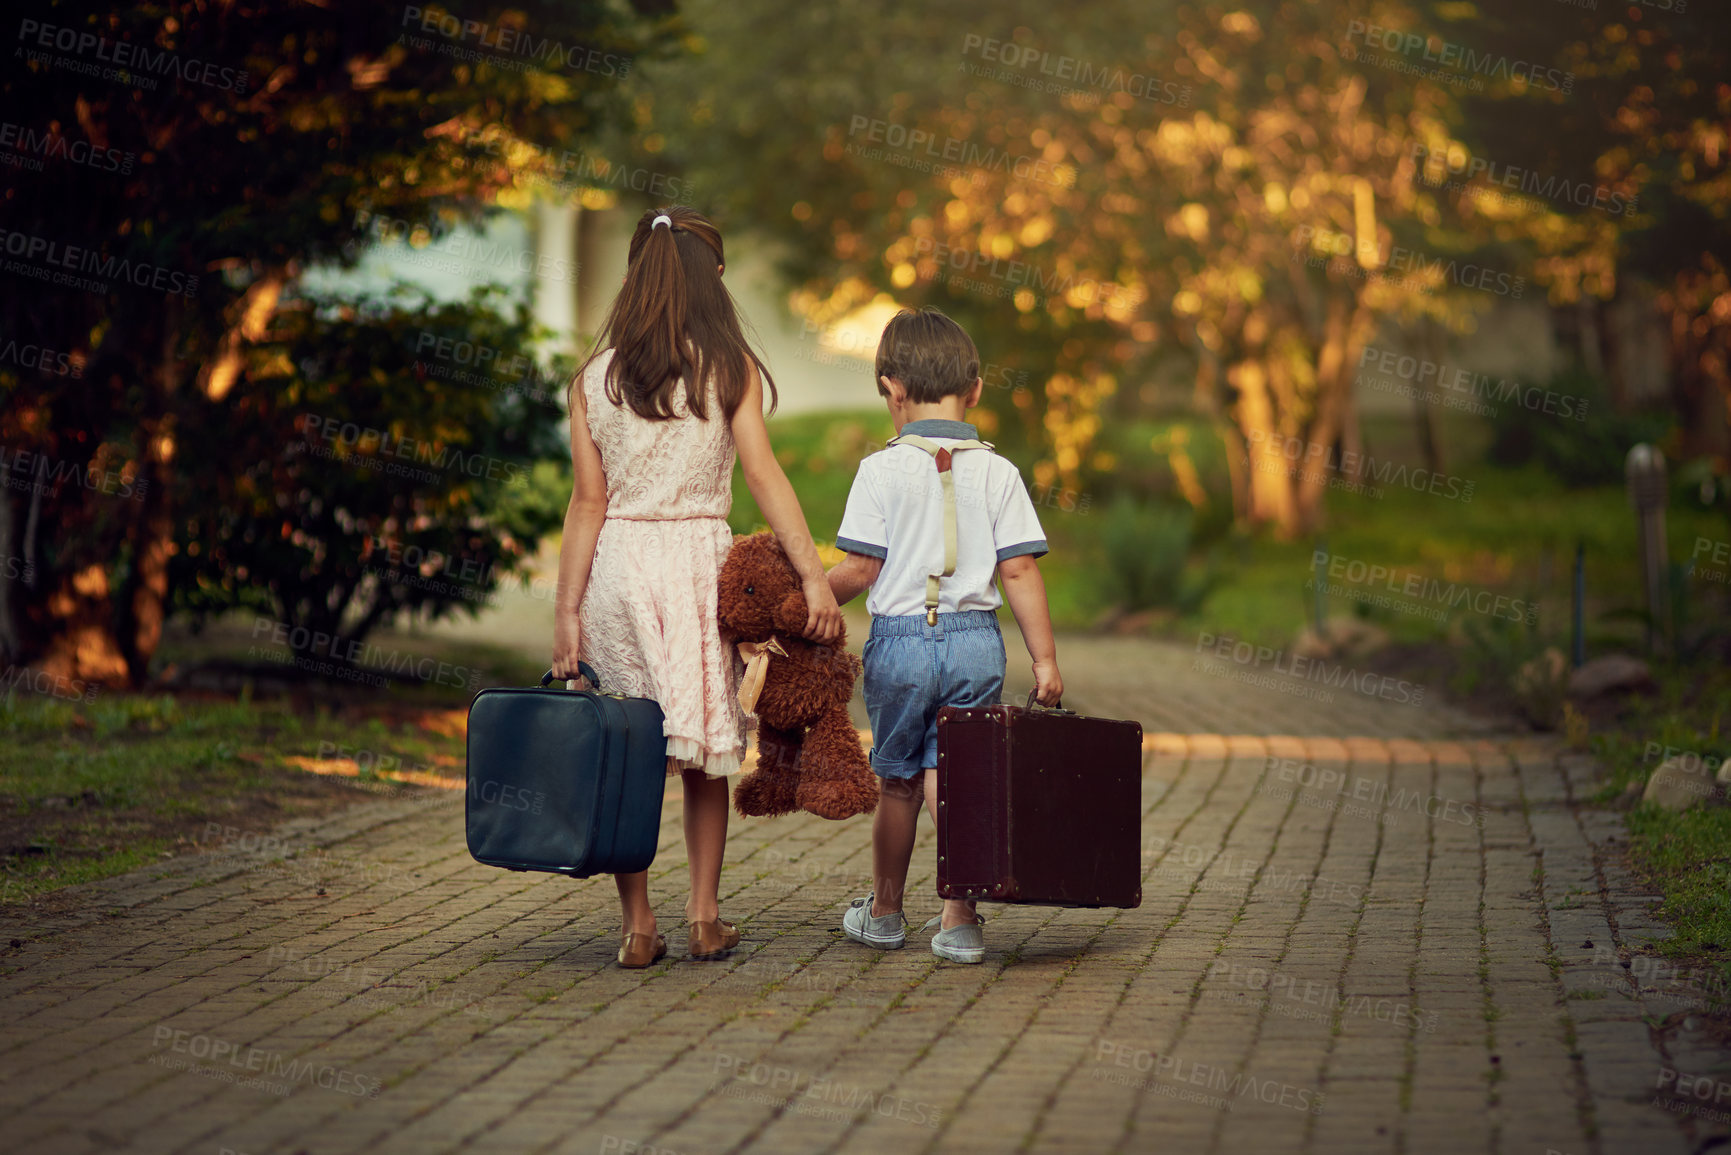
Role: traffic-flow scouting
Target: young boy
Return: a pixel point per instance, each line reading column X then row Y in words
column 921, row 657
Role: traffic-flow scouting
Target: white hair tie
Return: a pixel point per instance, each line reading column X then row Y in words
column 662, row 219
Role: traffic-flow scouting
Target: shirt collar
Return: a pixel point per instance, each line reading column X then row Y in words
column 939, row 427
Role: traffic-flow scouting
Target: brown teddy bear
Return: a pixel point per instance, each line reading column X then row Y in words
column 808, row 753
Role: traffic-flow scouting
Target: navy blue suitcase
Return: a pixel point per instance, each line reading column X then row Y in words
column 566, row 781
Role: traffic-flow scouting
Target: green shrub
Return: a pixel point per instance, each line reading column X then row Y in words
column 1145, row 555
column 1510, row 657
column 1585, row 448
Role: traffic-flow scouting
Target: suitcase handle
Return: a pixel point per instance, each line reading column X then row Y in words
column 1056, row 709
column 583, row 668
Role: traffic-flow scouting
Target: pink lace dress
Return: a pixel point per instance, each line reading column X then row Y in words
column 648, row 618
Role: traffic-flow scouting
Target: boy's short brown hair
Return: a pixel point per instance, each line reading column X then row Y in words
column 931, row 355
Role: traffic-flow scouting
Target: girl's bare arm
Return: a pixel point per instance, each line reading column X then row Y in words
column 780, row 506
column 583, row 518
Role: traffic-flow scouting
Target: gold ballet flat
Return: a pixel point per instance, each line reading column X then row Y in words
column 713, row 939
column 640, row 950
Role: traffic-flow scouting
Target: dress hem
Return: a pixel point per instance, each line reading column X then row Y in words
column 690, row 754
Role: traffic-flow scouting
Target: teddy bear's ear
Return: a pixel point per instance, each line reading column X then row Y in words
column 791, row 614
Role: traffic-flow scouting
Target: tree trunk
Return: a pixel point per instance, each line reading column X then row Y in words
column 82, row 645
column 1236, row 471
column 1333, row 398
column 1348, row 327
column 11, row 569
column 1424, row 421
column 1271, row 489
column 152, row 539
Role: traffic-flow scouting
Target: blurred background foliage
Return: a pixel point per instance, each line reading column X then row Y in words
column 1176, row 228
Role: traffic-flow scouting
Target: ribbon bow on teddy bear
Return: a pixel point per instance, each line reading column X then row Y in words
column 808, row 753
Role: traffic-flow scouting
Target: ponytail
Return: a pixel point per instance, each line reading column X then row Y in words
column 673, row 319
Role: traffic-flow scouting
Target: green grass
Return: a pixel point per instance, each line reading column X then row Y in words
column 92, row 790
column 1688, row 857
column 1685, row 857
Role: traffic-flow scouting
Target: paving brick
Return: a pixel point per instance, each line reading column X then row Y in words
column 487, row 1006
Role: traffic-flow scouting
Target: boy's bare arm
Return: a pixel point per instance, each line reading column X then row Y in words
column 851, row 575
column 1025, row 590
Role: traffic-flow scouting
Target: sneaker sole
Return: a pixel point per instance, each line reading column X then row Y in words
column 873, row 941
column 951, row 954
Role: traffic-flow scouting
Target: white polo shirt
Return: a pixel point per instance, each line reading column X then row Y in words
column 895, row 511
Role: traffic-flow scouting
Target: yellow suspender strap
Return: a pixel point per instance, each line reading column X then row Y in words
column 941, row 455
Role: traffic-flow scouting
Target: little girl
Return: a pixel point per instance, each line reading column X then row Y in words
column 657, row 413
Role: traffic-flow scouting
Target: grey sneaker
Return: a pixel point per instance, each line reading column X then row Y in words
column 885, row 932
column 963, row 944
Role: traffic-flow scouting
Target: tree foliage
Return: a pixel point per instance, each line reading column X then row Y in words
column 237, row 146
column 1105, row 191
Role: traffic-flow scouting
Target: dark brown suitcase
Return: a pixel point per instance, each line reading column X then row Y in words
column 1039, row 806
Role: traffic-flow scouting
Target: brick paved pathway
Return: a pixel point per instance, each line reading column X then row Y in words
column 1367, row 927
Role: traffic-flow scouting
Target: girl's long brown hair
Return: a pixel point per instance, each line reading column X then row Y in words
column 673, row 319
